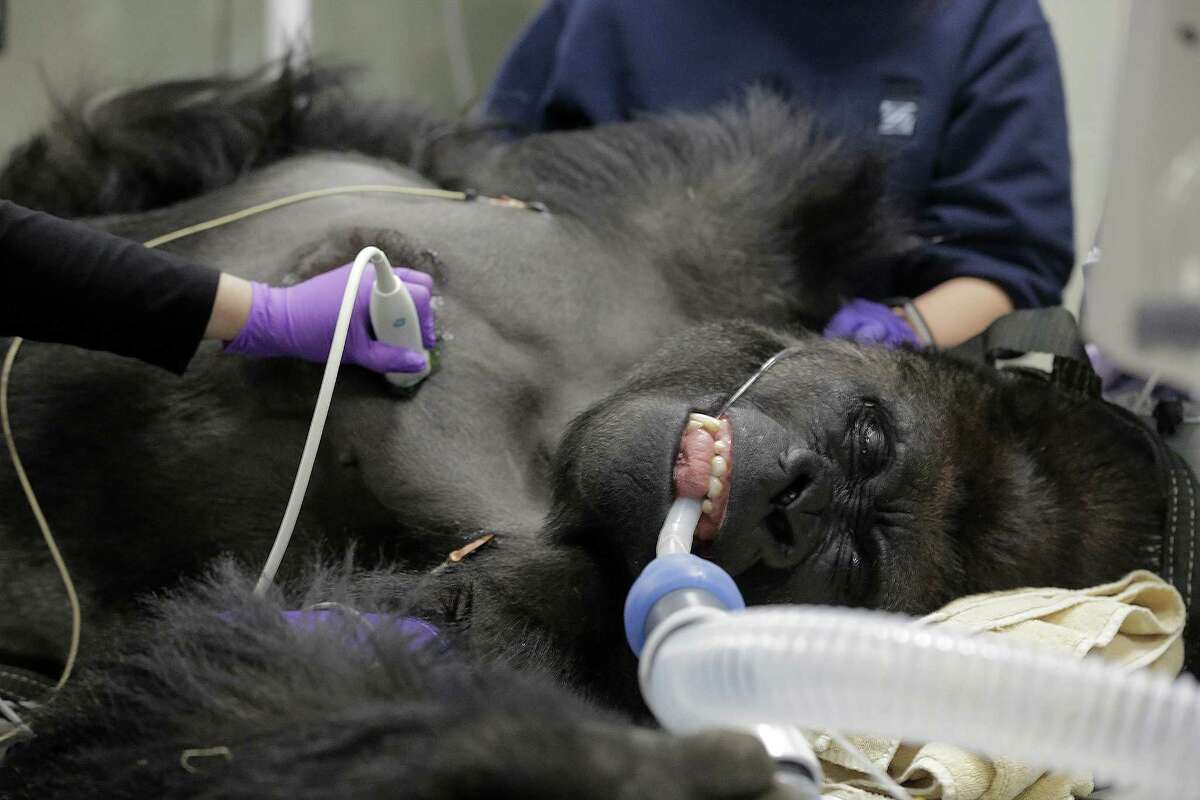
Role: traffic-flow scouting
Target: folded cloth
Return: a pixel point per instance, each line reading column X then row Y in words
column 1134, row 623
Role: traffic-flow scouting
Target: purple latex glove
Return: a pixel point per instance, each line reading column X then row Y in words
column 355, row 626
column 867, row 322
column 419, row 632
column 298, row 321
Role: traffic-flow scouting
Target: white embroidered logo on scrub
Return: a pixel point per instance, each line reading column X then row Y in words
column 897, row 117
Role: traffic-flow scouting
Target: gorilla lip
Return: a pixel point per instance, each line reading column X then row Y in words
column 703, row 469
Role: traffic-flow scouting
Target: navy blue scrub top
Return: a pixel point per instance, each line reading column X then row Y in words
column 965, row 97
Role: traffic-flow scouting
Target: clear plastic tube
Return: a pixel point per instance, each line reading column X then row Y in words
column 679, row 527
column 877, row 673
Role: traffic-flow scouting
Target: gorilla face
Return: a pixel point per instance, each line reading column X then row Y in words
column 849, row 475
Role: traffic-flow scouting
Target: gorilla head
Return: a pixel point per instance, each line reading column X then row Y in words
column 860, row 476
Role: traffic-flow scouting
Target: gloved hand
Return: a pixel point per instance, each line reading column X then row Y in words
column 868, row 322
column 298, row 321
column 358, row 625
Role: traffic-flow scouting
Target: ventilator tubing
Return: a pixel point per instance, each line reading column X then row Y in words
column 874, row 673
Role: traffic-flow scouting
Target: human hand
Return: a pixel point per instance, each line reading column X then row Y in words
column 868, row 322
column 298, row 321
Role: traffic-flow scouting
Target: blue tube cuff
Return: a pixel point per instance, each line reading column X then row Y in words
column 666, row 574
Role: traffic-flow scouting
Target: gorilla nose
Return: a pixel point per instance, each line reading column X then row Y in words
column 793, row 523
column 781, row 491
column 811, row 489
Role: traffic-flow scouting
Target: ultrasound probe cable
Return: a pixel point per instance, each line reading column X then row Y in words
column 316, row 426
column 6, row 709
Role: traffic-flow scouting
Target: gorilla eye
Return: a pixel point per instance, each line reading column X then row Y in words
column 869, row 441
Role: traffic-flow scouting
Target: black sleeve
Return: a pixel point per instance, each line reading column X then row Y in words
column 63, row 281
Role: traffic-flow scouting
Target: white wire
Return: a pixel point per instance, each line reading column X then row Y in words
column 869, row 767
column 43, row 525
column 1142, row 404
column 10, row 713
column 317, row 426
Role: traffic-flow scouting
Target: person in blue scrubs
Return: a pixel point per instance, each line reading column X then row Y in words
column 965, row 97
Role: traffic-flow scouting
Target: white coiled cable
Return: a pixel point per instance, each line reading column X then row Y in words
column 875, row 673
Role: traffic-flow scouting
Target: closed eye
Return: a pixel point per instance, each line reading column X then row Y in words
column 869, row 442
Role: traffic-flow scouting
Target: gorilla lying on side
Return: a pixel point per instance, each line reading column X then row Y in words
column 925, row 478
column 856, row 476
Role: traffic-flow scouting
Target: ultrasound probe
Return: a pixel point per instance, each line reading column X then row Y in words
column 394, row 317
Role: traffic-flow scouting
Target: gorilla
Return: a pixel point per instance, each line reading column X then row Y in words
column 663, row 262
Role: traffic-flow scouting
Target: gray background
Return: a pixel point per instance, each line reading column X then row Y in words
column 68, row 46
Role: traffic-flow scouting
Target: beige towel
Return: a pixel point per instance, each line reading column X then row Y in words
column 1136, row 623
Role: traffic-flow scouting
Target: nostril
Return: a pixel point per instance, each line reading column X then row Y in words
column 787, row 496
column 811, row 488
column 791, row 537
column 792, row 524
column 815, row 497
column 778, row 526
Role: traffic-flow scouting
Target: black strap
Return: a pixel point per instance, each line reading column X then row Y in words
column 1174, row 553
column 1037, row 330
column 1186, row 544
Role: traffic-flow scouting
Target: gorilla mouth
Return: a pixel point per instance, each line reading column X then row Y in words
column 774, row 513
column 703, row 469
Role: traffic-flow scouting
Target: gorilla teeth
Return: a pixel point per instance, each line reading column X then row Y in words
column 703, row 469
column 718, row 465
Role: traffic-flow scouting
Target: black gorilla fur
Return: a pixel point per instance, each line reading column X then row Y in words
column 701, row 192
column 295, row 713
column 988, row 481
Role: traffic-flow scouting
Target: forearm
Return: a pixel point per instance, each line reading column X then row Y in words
column 63, row 281
column 231, row 308
column 960, row 308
